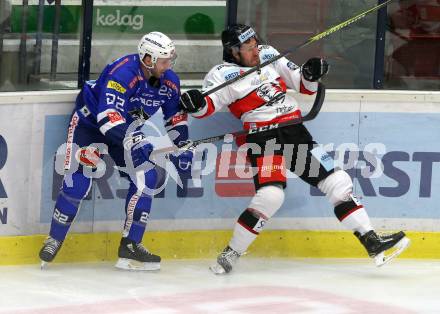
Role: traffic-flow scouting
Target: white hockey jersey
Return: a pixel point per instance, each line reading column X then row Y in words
column 260, row 98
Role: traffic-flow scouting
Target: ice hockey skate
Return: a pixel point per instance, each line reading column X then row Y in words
column 225, row 261
column 376, row 245
column 49, row 250
column 134, row 256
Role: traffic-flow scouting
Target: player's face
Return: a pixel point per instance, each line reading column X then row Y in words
column 163, row 64
column 249, row 54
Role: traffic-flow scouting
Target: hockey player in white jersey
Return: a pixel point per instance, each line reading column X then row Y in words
column 260, row 100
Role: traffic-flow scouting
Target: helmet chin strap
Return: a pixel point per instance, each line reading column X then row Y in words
column 152, row 80
column 148, row 68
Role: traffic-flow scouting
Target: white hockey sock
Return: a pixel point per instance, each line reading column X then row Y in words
column 263, row 205
column 241, row 238
column 358, row 221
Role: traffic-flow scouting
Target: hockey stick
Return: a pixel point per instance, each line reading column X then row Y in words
column 320, row 95
column 304, row 44
column 317, row 104
column 316, row 107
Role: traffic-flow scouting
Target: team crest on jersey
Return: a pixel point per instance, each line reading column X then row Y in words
column 269, row 93
column 116, row 86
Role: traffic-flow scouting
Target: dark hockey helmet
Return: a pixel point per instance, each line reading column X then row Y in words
column 233, row 37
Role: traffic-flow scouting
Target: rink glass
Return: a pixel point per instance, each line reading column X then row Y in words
column 39, row 49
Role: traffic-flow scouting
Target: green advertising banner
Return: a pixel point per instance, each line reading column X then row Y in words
column 128, row 19
column 70, row 19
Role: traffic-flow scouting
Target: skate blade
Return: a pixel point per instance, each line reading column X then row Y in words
column 217, row 269
column 128, row 264
column 43, row 265
column 381, row 259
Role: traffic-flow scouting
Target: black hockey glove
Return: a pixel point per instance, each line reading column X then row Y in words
column 314, row 69
column 192, row 101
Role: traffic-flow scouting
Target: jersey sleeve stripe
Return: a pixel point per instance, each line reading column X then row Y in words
column 105, row 113
column 246, row 104
column 171, row 126
column 208, row 110
column 107, row 126
column 109, row 119
column 308, row 88
column 179, row 118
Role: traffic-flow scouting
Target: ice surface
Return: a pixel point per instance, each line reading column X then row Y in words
column 255, row 286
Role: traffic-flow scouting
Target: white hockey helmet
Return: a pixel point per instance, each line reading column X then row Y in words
column 157, row 45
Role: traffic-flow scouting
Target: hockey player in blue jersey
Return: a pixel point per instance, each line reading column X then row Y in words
column 111, row 111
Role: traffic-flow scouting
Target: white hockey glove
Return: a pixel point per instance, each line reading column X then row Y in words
column 138, row 147
column 182, row 160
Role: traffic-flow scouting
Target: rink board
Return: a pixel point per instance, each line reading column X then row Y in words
column 197, row 244
column 403, row 126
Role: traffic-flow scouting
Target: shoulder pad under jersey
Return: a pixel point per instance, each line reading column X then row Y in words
column 125, row 71
column 171, row 80
column 224, row 72
column 267, row 52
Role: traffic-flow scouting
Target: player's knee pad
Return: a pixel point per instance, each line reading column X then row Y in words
column 268, row 200
column 75, row 187
column 145, row 181
column 262, row 207
column 337, row 187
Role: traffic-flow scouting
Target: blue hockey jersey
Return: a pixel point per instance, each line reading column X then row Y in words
column 121, row 95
